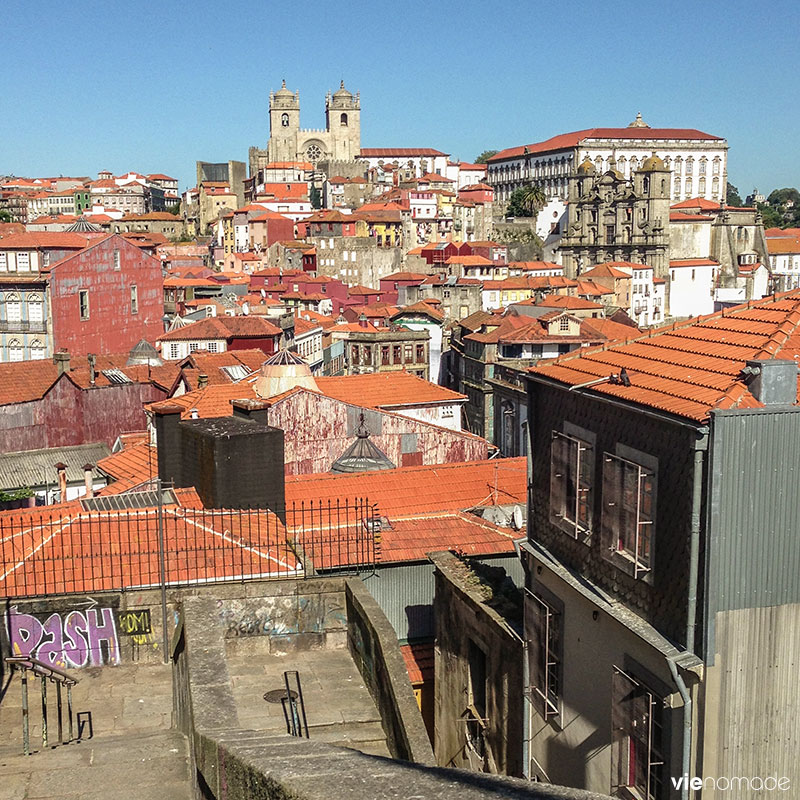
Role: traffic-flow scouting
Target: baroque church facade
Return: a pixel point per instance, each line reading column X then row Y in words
column 611, row 218
column 340, row 140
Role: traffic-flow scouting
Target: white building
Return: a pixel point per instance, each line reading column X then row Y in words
column 691, row 286
column 784, row 260
column 421, row 159
column 697, row 160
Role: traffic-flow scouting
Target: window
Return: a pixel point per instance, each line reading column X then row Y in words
column 544, row 633
column 194, row 346
column 116, row 259
column 35, row 308
column 134, row 300
column 83, row 303
column 637, row 763
column 174, row 350
column 409, row 353
column 213, row 347
column 284, row 120
column 15, row 351
column 420, row 353
column 397, row 354
column 571, row 484
column 476, row 718
column 354, row 354
column 563, row 324
column 37, row 350
column 385, row 355
column 23, row 262
column 629, row 491
column 3, row 262
column 13, row 308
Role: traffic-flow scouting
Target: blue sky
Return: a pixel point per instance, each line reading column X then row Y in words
column 155, row 86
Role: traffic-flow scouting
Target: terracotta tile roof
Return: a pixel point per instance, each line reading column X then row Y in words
column 119, row 549
column 691, row 368
column 407, row 491
column 384, row 152
column 600, row 328
column 420, row 661
column 610, row 269
column 697, row 202
column 130, row 467
column 386, row 390
column 359, row 289
column 241, row 327
column 570, row 140
column 567, row 302
column 770, row 233
column 592, row 288
column 406, row 276
column 786, row 246
column 681, row 216
column 422, row 307
column 470, row 261
column 530, row 266
column 44, row 240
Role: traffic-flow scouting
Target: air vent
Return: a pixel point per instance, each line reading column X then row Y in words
column 128, row 500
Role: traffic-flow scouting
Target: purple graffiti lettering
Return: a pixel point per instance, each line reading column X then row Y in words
column 76, row 646
column 102, row 631
column 51, row 649
column 24, row 633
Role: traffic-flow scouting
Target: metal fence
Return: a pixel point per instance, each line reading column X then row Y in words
column 83, row 551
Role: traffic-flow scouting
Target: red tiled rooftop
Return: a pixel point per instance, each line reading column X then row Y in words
column 691, row 368
column 386, row 390
column 223, row 328
column 420, row 660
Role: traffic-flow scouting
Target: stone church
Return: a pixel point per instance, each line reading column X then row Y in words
column 611, row 218
column 288, row 142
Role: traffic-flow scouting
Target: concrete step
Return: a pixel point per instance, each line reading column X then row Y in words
column 152, row 766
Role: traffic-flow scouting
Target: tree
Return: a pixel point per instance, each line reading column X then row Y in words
column 733, row 198
column 527, row 201
column 175, row 209
column 315, row 196
column 5, row 215
column 770, row 216
column 485, row 156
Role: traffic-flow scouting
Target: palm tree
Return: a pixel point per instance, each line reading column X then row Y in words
column 533, row 198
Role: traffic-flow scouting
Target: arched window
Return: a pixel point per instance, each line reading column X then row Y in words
column 343, row 120
column 701, row 184
column 13, row 308
column 35, row 308
column 15, row 351
column 37, row 350
column 676, row 188
column 715, row 188
column 284, row 120
column 688, row 187
column 646, row 183
column 634, row 163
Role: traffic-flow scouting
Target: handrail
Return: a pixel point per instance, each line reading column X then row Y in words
column 40, row 668
column 45, row 672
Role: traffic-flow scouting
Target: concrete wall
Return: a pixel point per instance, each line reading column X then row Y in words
column 462, row 617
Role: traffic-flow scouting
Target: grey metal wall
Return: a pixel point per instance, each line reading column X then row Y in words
column 753, row 524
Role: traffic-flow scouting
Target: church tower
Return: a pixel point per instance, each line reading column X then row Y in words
column 343, row 124
column 284, row 124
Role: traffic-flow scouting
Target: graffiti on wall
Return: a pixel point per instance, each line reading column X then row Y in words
column 69, row 639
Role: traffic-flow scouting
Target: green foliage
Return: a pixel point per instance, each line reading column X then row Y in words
column 175, row 209
column 316, row 197
column 5, row 215
column 733, row 198
column 782, row 209
column 782, row 197
column 17, row 494
column 770, row 216
column 527, row 201
column 485, row 156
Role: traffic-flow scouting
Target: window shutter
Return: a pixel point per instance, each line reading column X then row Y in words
column 559, row 466
column 536, row 637
column 585, row 482
column 631, row 738
column 612, row 504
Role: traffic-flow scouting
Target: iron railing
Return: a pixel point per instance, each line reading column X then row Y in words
column 77, row 551
column 46, row 673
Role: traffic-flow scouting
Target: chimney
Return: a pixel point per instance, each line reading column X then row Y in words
column 92, row 359
column 202, row 380
column 166, row 418
column 362, row 320
column 62, row 482
column 254, row 410
column 61, row 360
column 88, row 480
column 772, row 381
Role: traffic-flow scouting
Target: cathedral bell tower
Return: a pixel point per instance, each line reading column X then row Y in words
column 284, row 124
column 343, row 124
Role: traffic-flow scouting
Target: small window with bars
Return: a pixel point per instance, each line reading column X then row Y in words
column 628, row 521
column 571, row 485
column 543, row 636
column 637, row 762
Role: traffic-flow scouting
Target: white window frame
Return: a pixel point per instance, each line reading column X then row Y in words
column 571, row 463
column 544, row 635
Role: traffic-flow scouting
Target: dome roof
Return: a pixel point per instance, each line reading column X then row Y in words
column 586, row 167
column 281, row 372
column 283, row 91
column 638, row 122
column 82, row 225
column 362, row 455
column 342, row 92
column 143, row 353
column 652, row 164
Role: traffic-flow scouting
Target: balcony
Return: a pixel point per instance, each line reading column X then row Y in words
column 22, row 326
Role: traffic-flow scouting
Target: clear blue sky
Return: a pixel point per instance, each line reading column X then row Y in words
column 155, row 86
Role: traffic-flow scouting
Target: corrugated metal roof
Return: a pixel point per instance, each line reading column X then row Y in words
column 29, row 469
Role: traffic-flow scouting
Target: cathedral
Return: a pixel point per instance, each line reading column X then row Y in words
column 288, row 142
column 611, row 218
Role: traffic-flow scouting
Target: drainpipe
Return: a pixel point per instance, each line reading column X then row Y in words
column 701, row 445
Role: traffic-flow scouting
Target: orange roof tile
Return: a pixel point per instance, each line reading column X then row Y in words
column 222, row 328
column 690, row 368
column 420, row 659
column 567, row 302
column 386, row 390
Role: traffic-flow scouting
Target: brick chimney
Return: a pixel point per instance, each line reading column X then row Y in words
column 61, row 469
column 61, row 360
column 92, row 359
column 88, row 480
column 362, row 320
